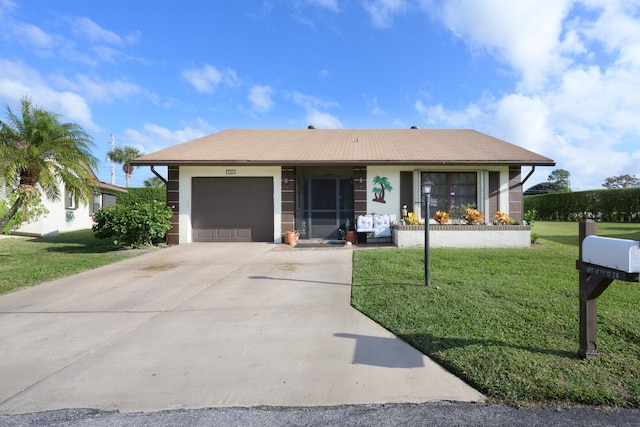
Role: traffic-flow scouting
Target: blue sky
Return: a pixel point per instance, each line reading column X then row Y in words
column 559, row 77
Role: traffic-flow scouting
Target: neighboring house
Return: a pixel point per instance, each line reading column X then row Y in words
column 67, row 214
column 254, row 185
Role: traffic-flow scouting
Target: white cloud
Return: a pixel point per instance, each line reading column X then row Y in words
column 87, row 28
column 309, row 101
column 525, row 35
column 153, row 137
column 382, row 12
column 438, row 115
column 575, row 99
column 208, row 78
column 33, row 36
column 313, row 104
column 18, row 80
column 94, row 88
column 261, row 98
column 323, row 120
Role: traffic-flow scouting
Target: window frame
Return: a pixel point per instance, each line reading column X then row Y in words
column 450, row 190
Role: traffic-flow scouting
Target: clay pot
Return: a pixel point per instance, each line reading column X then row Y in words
column 290, row 238
column 351, row 237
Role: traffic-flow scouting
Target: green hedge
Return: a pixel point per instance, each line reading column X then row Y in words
column 619, row 205
column 141, row 195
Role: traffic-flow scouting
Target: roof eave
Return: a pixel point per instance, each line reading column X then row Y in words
column 340, row 162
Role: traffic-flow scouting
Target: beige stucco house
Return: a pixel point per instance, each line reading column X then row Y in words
column 256, row 184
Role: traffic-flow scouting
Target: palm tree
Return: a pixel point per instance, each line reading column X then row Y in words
column 124, row 156
column 153, row 182
column 38, row 153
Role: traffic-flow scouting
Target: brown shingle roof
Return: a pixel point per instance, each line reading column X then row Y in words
column 348, row 146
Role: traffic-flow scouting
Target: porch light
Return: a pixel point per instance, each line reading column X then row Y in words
column 426, row 187
column 426, row 190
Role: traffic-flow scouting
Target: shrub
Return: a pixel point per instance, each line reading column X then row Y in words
column 134, row 225
column 501, row 218
column 458, row 212
column 616, row 205
column 411, row 219
column 530, row 217
column 441, row 217
column 141, row 195
column 473, row 217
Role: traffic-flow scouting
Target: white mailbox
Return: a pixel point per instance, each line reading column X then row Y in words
column 617, row 254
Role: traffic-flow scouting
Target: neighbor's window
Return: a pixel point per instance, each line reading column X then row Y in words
column 95, row 205
column 69, row 200
column 451, row 188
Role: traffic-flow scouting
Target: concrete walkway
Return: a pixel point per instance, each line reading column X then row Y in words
column 207, row 325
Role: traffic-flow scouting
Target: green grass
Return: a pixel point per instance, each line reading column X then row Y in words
column 30, row 261
column 506, row 321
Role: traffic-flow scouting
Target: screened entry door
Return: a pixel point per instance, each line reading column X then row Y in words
column 329, row 203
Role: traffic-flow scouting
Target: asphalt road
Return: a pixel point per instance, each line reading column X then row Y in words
column 430, row 414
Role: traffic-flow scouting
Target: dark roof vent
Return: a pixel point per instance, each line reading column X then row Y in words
column 414, row 127
column 311, row 127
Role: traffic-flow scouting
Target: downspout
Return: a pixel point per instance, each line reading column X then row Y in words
column 533, row 169
column 155, row 172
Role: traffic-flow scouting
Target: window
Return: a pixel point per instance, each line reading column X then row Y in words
column 69, row 200
column 451, row 189
column 95, row 205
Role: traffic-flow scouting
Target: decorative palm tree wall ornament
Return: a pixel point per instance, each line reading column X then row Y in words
column 378, row 192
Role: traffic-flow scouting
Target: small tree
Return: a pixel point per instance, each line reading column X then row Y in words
column 560, row 177
column 621, row 181
column 38, row 153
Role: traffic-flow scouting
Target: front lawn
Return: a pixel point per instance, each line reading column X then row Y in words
column 506, row 321
column 30, row 261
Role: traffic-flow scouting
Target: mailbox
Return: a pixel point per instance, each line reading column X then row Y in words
column 617, row 254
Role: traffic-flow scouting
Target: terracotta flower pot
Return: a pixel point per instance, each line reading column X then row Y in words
column 291, row 238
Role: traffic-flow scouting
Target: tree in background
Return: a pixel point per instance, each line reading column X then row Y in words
column 557, row 182
column 124, row 156
column 560, row 177
column 153, row 182
column 38, row 153
column 621, row 181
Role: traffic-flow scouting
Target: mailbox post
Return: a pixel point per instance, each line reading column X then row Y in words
column 596, row 272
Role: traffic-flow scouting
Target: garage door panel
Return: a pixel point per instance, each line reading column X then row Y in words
column 232, row 209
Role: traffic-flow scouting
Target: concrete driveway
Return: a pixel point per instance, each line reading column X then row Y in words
column 207, row 325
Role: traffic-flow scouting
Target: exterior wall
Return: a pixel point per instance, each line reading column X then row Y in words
column 393, row 202
column 515, row 193
column 464, row 236
column 288, row 183
column 58, row 219
column 173, row 199
column 189, row 172
column 360, row 194
column 391, row 205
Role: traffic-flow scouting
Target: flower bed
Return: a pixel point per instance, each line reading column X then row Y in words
column 463, row 236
